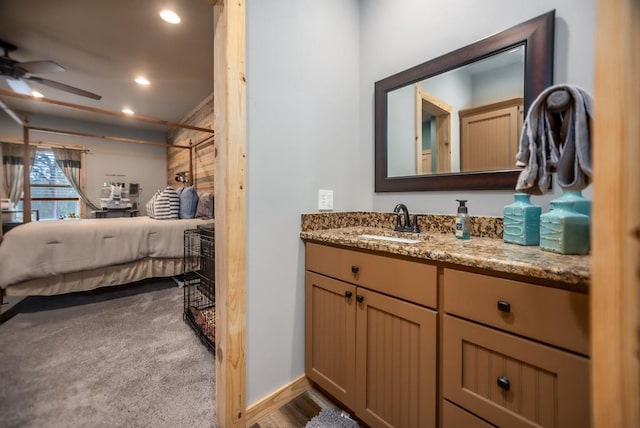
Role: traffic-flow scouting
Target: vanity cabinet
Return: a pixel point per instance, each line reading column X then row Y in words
column 403, row 342
column 370, row 335
column 513, row 353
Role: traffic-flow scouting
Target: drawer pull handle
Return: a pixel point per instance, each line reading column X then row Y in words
column 359, row 298
column 503, row 382
column 504, row 306
column 355, row 269
column 348, row 294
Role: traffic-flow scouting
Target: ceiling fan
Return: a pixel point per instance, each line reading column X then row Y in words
column 17, row 72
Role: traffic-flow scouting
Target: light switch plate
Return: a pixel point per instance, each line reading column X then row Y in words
column 325, row 200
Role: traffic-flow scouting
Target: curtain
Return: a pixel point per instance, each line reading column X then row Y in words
column 70, row 162
column 12, row 167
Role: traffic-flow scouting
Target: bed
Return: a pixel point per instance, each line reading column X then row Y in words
column 62, row 256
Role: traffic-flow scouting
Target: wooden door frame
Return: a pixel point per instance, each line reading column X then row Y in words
column 615, row 305
column 229, row 88
column 443, row 142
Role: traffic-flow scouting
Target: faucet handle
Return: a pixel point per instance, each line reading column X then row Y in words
column 415, row 228
column 399, row 225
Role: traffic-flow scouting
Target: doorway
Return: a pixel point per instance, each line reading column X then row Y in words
column 433, row 134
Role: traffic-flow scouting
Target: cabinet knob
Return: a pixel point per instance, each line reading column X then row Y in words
column 503, row 382
column 355, row 269
column 359, row 298
column 348, row 294
column 504, row 306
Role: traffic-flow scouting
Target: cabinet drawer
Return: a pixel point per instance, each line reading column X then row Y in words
column 413, row 281
column 455, row 417
column 513, row 382
column 551, row 315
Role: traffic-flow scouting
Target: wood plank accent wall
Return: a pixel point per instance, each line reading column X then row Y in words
column 615, row 290
column 178, row 160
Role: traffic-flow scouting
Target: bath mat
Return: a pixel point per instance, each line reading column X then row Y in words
column 329, row 418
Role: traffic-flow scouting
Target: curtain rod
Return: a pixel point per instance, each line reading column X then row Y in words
column 104, row 137
column 107, row 112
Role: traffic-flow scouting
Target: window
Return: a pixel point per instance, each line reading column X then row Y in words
column 51, row 192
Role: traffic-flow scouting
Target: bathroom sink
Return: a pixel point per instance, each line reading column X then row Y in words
column 390, row 238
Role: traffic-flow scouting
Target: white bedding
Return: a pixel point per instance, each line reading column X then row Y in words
column 44, row 248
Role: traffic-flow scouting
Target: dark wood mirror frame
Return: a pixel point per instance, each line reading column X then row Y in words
column 537, row 35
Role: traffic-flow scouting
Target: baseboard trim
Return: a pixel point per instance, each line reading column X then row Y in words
column 276, row 399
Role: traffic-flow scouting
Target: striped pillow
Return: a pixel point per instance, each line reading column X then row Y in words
column 167, row 205
column 151, row 204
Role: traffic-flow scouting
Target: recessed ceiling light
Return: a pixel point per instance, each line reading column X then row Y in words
column 127, row 110
column 170, row 16
column 142, row 81
column 37, row 94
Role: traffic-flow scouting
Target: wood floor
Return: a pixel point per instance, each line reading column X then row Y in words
column 296, row 413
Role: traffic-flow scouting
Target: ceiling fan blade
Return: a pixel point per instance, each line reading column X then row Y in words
column 36, row 67
column 63, row 87
column 19, row 86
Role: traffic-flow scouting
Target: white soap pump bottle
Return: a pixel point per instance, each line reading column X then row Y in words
column 463, row 225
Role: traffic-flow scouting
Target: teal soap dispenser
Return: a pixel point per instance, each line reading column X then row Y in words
column 463, row 225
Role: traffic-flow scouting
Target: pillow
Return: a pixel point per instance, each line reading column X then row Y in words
column 151, row 204
column 188, row 202
column 167, row 205
column 205, row 205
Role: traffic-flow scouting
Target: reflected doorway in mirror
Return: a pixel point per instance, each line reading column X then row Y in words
column 433, row 133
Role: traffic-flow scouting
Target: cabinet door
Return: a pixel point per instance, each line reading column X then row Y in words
column 489, row 136
column 395, row 362
column 330, row 335
column 513, row 382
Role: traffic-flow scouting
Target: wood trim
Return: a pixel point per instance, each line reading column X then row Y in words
column 43, row 144
column 230, row 210
column 491, row 107
column 277, row 399
column 615, row 305
column 105, row 137
column 83, row 183
column 26, row 180
column 103, row 111
column 443, row 141
column 443, row 131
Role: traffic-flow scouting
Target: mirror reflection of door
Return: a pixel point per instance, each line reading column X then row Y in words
column 489, row 135
column 433, row 134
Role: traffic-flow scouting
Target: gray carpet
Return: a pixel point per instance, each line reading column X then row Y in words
column 115, row 358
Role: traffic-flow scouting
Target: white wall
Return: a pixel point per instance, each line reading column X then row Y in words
column 497, row 85
column 401, row 131
column 143, row 164
column 403, row 33
column 302, row 113
column 311, row 68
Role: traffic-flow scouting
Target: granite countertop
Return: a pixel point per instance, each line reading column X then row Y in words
column 484, row 253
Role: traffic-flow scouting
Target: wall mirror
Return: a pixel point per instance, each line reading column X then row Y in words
column 453, row 123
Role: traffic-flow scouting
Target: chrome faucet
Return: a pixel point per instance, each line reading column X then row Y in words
column 403, row 221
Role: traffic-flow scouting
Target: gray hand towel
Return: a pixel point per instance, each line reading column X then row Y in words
column 556, row 137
